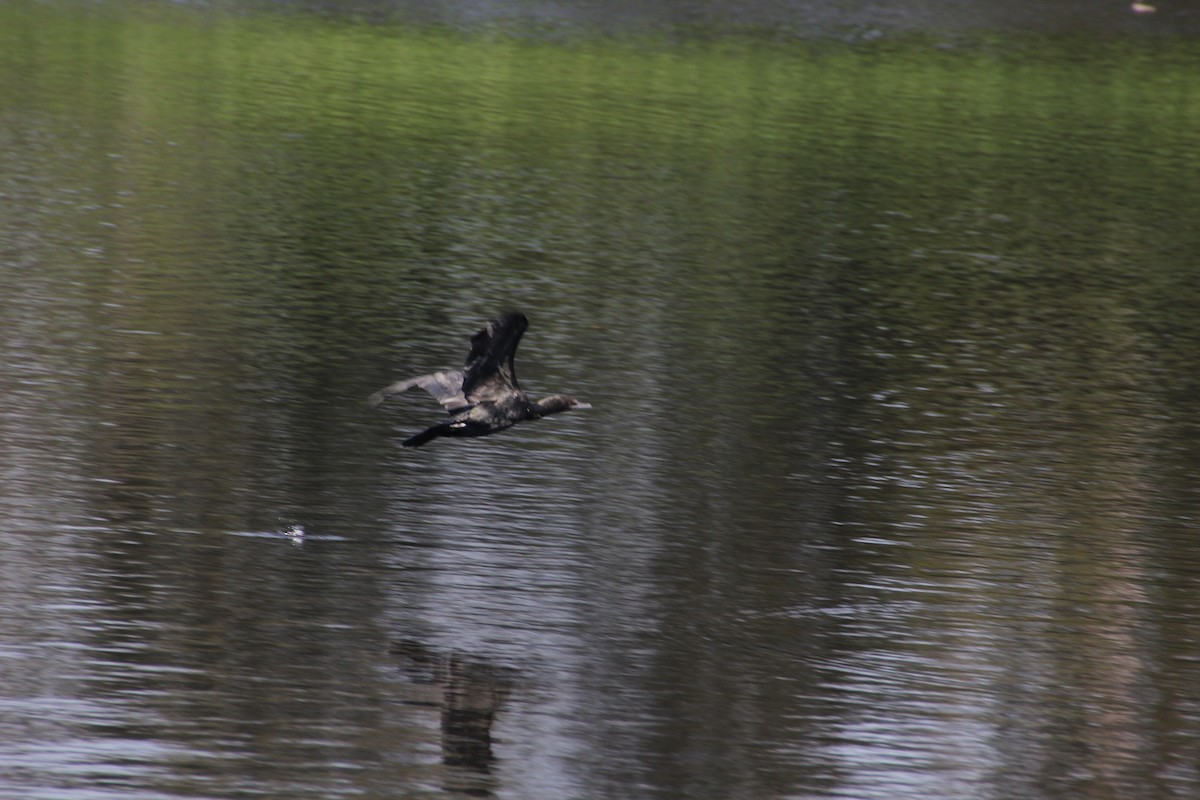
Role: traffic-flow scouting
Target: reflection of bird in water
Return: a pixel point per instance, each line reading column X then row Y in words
column 483, row 397
column 469, row 693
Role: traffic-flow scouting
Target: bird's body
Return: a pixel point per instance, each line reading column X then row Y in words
column 484, row 396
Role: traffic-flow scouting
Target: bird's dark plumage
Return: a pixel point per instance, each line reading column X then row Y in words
column 484, row 396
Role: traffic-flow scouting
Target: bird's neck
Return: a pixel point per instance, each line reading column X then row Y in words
column 551, row 405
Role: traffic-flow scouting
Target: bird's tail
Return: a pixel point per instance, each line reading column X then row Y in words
column 424, row 436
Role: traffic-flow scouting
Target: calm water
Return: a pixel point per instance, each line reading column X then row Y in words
column 890, row 487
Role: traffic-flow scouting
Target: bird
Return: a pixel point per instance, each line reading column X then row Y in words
column 483, row 397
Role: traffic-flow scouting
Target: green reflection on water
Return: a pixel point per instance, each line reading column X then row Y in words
column 326, row 126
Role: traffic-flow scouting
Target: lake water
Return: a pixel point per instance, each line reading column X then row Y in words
column 891, row 487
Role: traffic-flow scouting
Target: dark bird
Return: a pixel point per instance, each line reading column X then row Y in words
column 483, row 397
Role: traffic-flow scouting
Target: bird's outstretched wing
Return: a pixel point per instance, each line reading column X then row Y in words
column 489, row 373
column 446, row 387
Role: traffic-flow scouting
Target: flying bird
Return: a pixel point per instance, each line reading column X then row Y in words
column 483, row 397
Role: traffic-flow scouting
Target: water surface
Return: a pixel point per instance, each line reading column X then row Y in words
column 889, row 488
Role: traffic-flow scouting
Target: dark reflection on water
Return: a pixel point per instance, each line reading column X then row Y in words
column 468, row 693
column 889, row 489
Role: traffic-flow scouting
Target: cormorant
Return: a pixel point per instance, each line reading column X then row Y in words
column 483, row 397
